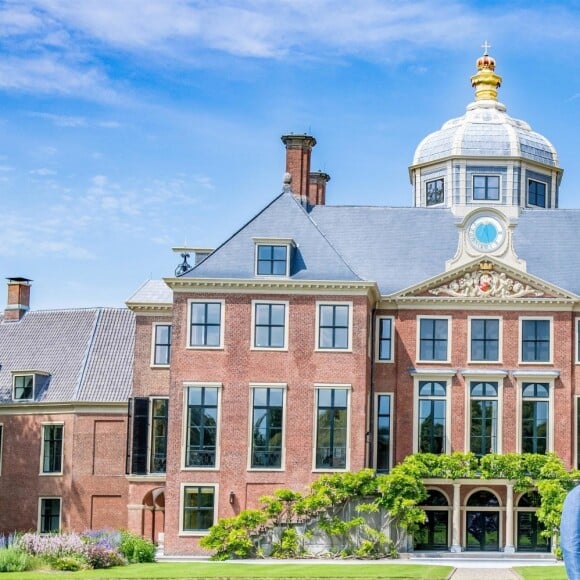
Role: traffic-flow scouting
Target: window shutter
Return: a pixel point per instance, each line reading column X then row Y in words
column 140, row 435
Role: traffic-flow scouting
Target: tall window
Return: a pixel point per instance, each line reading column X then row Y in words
column 535, row 340
column 483, row 430
column 535, row 417
column 272, row 260
column 206, row 322
column 484, row 339
column 432, row 416
column 269, row 325
column 52, row 448
column 331, row 428
column 385, row 339
column 162, row 344
column 434, row 192
column 198, row 507
column 159, row 421
column 23, row 387
column 49, row 516
column 383, row 463
column 433, row 339
column 149, row 435
column 267, row 418
column 333, row 326
column 536, row 193
column 202, row 409
column 486, row 187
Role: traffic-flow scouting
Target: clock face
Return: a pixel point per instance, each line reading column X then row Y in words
column 486, row 233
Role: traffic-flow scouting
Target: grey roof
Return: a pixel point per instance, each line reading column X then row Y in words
column 394, row 247
column 152, row 292
column 486, row 130
column 88, row 353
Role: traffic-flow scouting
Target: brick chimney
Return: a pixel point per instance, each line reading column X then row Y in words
column 298, row 149
column 18, row 299
column 317, row 187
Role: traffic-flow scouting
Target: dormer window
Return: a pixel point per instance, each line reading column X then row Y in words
column 434, row 192
column 27, row 384
column 273, row 257
column 23, row 388
column 536, row 193
column 486, row 187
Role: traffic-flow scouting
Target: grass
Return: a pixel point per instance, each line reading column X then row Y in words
column 541, row 572
column 384, row 571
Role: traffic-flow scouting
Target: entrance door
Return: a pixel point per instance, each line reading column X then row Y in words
column 483, row 531
column 434, row 533
column 482, row 525
column 529, row 528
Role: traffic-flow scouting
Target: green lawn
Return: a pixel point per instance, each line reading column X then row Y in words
column 541, row 572
column 221, row 570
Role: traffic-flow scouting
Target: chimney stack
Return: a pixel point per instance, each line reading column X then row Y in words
column 298, row 150
column 18, row 299
column 317, row 187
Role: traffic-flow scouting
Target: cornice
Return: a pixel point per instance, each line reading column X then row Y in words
column 150, row 307
column 64, row 408
column 273, row 286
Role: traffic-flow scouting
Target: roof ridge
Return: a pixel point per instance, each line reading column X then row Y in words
column 88, row 352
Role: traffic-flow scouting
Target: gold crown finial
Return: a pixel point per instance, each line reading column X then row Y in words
column 485, row 82
column 485, row 266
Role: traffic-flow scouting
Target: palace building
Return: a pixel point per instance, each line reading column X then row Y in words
column 322, row 338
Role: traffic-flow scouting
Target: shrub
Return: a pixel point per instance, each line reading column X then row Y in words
column 13, row 559
column 52, row 545
column 101, row 557
column 289, row 546
column 136, row 549
column 68, row 563
column 109, row 539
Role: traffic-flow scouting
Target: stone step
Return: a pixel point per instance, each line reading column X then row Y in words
column 480, row 556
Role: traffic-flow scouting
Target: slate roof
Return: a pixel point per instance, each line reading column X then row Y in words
column 152, row 292
column 88, row 353
column 395, row 247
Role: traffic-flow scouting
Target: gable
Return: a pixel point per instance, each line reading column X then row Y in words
column 486, row 281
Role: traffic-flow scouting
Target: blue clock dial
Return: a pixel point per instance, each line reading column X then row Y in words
column 486, row 232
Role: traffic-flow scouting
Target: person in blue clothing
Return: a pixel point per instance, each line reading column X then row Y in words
column 570, row 533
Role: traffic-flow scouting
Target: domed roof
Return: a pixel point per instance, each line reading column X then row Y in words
column 486, row 130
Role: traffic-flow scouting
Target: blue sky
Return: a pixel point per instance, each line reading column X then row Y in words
column 130, row 127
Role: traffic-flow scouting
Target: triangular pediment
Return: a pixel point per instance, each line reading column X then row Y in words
column 486, row 280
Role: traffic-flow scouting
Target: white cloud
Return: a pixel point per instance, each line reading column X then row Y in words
column 43, row 172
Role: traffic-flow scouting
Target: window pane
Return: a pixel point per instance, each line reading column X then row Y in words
column 277, row 339
column 213, row 313
column 262, row 314
column 162, row 334
column 279, row 253
column 213, row 336
column 278, row 314
column 326, row 315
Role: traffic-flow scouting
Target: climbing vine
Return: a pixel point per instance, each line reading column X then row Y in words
column 335, row 504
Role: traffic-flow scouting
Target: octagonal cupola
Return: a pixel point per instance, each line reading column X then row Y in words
column 485, row 157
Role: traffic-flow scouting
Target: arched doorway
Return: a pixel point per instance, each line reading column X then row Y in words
column 434, row 533
column 482, row 522
column 153, row 521
column 529, row 538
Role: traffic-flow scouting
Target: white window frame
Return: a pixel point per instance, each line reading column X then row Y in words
column 153, row 344
column 550, row 319
column 191, row 301
column 522, row 377
column 43, row 426
column 320, row 303
column 376, row 428
column 287, row 242
column 186, row 386
column 427, row 376
column 182, row 487
column 255, row 304
column 470, row 319
column 318, row 387
column 527, row 193
column 483, row 376
column 23, row 374
column 284, row 387
column 39, row 514
column 575, row 401
column 577, row 340
column 418, row 339
column 391, row 358
column 426, row 182
column 486, row 201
